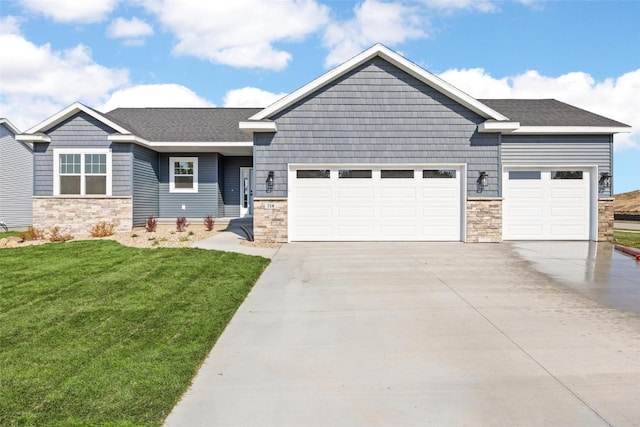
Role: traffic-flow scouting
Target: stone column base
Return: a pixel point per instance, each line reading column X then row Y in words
column 270, row 220
column 484, row 220
column 605, row 220
column 78, row 215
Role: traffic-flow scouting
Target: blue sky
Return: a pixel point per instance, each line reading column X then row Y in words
column 111, row 53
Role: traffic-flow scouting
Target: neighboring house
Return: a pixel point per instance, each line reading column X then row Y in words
column 16, row 178
column 375, row 149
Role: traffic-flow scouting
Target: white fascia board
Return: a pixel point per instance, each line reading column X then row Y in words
column 40, row 137
column 9, row 126
column 250, row 127
column 574, row 130
column 492, row 127
column 395, row 59
column 172, row 144
column 72, row 109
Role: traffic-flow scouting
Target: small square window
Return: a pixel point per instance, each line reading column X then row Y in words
column 183, row 174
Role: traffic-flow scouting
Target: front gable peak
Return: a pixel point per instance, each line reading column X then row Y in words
column 38, row 133
column 395, row 59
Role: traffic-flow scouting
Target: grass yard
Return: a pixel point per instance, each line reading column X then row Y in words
column 627, row 238
column 9, row 234
column 96, row 333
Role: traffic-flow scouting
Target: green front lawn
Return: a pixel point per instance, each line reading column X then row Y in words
column 96, row 333
column 9, row 234
column 627, row 238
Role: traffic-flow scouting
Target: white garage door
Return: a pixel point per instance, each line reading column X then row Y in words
column 374, row 203
column 546, row 204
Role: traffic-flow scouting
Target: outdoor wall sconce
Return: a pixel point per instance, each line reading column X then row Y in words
column 605, row 180
column 270, row 180
column 482, row 181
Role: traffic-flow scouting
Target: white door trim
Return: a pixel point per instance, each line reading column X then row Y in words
column 247, row 187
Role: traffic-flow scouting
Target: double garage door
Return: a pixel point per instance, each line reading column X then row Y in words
column 546, row 204
column 370, row 203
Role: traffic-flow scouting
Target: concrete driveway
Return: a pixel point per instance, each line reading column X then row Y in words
column 414, row 334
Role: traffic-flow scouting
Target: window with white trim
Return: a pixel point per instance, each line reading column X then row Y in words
column 82, row 172
column 183, row 174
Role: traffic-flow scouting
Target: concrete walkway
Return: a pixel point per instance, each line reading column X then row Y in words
column 233, row 239
column 402, row 334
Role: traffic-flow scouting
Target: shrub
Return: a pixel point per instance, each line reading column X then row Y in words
column 32, row 234
column 209, row 221
column 151, row 224
column 55, row 235
column 103, row 229
column 181, row 223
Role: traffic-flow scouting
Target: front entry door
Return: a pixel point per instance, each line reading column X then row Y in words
column 246, row 191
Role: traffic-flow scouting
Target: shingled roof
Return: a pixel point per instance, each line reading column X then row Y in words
column 184, row 124
column 548, row 112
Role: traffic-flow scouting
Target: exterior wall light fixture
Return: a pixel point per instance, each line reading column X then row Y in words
column 270, row 180
column 605, row 180
column 482, row 181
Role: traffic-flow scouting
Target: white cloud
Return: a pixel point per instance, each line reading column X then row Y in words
column 449, row 5
column 133, row 30
column 38, row 81
column 240, row 33
column 374, row 22
column 154, row 95
column 9, row 25
column 80, row 11
column 477, row 5
column 616, row 98
column 250, row 97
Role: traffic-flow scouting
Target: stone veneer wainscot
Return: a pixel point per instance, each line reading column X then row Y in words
column 484, row 220
column 77, row 215
column 605, row 219
column 270, row 220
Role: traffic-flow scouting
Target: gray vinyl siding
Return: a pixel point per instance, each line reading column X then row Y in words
column 545, row 150
column 16, row 181
column 230, row 184
column 375, row 114
column 145, row 185
column 197, row 205
column 82, row 131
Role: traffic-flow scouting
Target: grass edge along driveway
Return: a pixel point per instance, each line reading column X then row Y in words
column 96, row 333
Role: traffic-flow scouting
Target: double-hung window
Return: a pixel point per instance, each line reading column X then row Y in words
column 82, row 172
column 183, row 174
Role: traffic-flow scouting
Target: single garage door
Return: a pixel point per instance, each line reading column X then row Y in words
column 375, row 203
column 546, row 204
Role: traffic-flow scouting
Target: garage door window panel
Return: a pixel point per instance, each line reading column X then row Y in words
column 438, row 173
column 566, row 175
column 313, row 174
column 524, row 175
column 396, row 174
column 354, row 173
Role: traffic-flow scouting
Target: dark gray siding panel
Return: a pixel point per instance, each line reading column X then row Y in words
column 376, row 114
column 82, row 131
column 197, row 205
column 16, row 181
column 559, row 150
column 145, row 185
column 231, row 184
